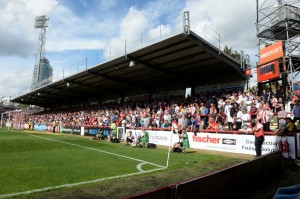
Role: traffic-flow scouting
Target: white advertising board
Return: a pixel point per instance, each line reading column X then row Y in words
column 234, row 143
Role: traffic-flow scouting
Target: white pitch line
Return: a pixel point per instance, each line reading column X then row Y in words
column 139, row 166
column 93, row 149
column 75, row 184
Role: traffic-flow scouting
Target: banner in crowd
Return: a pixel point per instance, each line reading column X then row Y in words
column 234, row 143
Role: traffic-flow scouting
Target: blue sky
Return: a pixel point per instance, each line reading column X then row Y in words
column 80, row 29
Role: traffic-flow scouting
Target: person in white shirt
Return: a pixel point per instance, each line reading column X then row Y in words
column 229, row 119
column 239, row 119
column 246, row 118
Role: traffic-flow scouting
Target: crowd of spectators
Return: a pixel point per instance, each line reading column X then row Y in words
column 216, row 110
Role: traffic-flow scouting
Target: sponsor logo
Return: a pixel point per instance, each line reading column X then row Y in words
column 228, row 141
column 206, row 139
column 159, row 138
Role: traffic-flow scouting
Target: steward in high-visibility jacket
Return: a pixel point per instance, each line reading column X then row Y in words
column 258, row 131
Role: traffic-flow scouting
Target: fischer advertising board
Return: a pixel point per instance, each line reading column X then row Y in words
column 234, row 143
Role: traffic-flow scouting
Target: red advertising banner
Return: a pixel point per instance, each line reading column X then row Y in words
column 268, row 71
column 271, row 53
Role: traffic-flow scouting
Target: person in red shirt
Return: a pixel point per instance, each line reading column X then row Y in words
column 212, row 125
column 258, row 131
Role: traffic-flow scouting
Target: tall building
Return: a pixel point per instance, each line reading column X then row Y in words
column 42, row 72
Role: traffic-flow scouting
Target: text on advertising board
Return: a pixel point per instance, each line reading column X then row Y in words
column 206, row 139
column 271, row 53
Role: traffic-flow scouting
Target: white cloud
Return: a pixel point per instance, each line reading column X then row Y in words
column 131, row 28
column 17, row 33
column 234, row 20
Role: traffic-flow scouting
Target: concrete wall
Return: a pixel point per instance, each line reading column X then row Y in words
column 233, row 182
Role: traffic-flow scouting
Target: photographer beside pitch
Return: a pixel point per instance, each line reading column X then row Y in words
column 144, row 139
column 183, row 143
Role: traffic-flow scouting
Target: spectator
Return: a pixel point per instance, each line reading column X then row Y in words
column 281, row 117
column 273, row 103
column 212, row 125
column 230, row 119
column 264, row 115
column 199, row 123
column 246, row 129
column 213, row 113
column 220, row 126
column 238, row 119
column 167, row 116
column 227, row 106
column 266, row 96
column 153, row 124
column 253, row 111
column 279, row 104
column 192, row 126
column 246, row 118
column 243, row 105
column 221, row 117
column 294, row 100
column 204, row 115
column 166, row 124
column 259, row 136
column 296, row 111
column 289, row 129
column 175, row 126
column 181, row 121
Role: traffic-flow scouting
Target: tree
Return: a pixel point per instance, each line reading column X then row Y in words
column 234, row 54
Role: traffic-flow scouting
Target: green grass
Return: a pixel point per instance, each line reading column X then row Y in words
column 31, row 161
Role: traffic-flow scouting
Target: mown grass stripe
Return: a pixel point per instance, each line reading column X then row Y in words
column 93, row 149
column 76, row 184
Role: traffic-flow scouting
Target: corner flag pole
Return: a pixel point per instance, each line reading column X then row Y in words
column 1, row 119
column 8, row 120
column 171, row 136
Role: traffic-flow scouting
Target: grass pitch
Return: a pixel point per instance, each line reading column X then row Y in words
column 46, row 165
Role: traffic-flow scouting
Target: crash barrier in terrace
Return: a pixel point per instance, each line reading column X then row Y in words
column 234, row 182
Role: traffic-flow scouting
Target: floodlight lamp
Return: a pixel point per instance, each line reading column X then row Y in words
column 131, row 63
column 41, row 21
column 39, row 94
column 68, row 84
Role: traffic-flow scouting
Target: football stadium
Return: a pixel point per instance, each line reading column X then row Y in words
column 171, row 116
